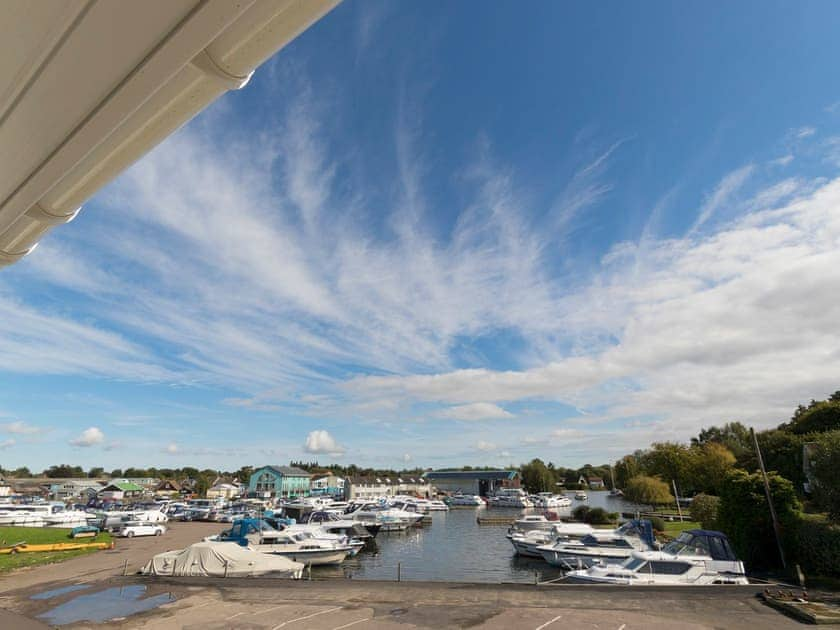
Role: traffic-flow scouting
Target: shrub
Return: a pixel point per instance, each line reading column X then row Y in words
column 599, row 516
column 743, row 515
column 815, row 545
column 580, row 513
column 646, row 490
column 825, row 465
column 704, row 510
column 658, row 523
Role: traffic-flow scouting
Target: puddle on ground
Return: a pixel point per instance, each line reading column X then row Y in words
column 60, row 591
column 104, row 605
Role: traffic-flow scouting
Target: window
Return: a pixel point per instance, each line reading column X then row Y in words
column 669, row 568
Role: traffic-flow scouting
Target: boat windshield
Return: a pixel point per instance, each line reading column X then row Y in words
column 688, row 544
column 634, row 564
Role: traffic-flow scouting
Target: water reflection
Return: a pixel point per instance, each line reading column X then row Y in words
column 104, row 605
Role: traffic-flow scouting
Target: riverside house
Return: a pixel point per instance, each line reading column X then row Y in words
column 279, row 482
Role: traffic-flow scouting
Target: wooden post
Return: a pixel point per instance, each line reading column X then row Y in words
column 769, row 500
column 677, row 498
column 125, row 567
column 399, row 571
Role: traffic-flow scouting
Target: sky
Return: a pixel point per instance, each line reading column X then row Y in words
column 435, row 234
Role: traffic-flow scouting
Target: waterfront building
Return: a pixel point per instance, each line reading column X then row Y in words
column 593, row 483
column 279, row 481
column 65, row 489
column 327, row 484
column 168, row 488
column 223, row 490
column 119, row 490
column 480, row 482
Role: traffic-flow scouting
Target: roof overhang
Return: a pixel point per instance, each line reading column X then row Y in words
column 89, row 86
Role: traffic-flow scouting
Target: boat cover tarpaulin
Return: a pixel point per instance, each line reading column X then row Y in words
column 221, row 559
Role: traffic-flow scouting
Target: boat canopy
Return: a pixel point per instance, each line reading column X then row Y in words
column 702, row 542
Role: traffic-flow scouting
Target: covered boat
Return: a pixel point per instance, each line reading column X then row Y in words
column 221, row 559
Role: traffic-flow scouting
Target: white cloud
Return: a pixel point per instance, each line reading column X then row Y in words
column 172, row 449
column 406, row 458
column 783, row 160
column 695, row 330
column 482, row 445
column 722, row 194
column 504, row 454
column 20, row 428
column 89, row 437
column 321, row 442
column 7, row 444
column 475, row 411
column 804, row 132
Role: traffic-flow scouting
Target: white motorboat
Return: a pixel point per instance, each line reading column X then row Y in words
column 511, row 498
column 60, row 516
column 335, row 524
column 534, row 521
column 300, row 546
column 24, row 515
column 41, row 515
column 696, row 557
column 550, row 500
column 466, row 500
column 388, row 518
column 526, row 543
column 601, row 546
column 580, row 495
column 437, row 506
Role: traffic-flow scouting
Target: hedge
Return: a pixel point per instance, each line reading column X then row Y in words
column 815, row 545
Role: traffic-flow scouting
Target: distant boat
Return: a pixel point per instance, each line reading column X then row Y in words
column 615, row 492
column 580, row 495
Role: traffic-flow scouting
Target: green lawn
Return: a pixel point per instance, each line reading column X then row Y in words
column 40, row 536
column 675, row 528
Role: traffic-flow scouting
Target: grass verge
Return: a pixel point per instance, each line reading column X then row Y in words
column 40, row 536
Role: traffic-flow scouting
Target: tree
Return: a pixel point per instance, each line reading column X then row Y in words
column 244, row 474
column 733, row 435
column 23, row 471
column 817, row 417
column 536, row 476
column 117, row 472
column 64, row 470
column 704, row 510
column 645, row 490
column 96, row 472
column 669, row 460
column 744, row 516
column 710, row 463
column 626, row 468
column 825, row 466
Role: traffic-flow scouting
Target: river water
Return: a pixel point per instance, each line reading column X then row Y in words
column 454, row 547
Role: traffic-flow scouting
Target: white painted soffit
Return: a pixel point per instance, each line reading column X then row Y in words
column 87, row 87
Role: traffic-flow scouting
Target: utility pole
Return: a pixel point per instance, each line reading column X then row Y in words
column 769, row 499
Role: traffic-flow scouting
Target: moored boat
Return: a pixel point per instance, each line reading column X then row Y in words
column 697, row 557
column 601, row 546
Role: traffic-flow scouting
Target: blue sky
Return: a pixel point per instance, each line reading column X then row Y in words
column 453, row 233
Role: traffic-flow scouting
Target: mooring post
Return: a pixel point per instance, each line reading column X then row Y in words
column 399, row 571
column 125, row 567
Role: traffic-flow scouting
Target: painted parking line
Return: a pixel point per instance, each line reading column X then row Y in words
column 352, row 623
column 548, row 623
column 622, row 626
column 323, row 612
column 237, row 615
